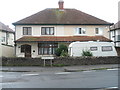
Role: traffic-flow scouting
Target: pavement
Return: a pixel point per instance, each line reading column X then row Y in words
column 57, row 69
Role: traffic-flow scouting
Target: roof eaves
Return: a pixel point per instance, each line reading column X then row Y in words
column 60, row 24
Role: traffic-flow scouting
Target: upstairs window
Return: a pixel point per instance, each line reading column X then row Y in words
column 118, row 37
column 27, row 30
column 98, row 31
column 47, row 31
column 80, row 31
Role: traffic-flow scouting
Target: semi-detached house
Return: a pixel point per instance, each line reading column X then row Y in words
column 115, row 36
column 6, row 41
column 40, row 34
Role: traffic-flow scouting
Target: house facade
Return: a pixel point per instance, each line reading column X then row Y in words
column 115, row 36
column 40, row 34
column 7, row 41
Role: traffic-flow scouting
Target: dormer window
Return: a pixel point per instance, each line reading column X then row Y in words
column 27, row 31
column 80, row 31
column 47, row 31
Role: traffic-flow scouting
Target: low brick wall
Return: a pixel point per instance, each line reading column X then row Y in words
column 60, row 61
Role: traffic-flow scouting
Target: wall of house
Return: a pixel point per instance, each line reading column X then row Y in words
column 66, row 30
column 8, row 51
column 0, row 44
column 7, row 48
column 34, row 46
column 11, row 39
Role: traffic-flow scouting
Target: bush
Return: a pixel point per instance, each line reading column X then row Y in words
column 58, row 52
column 87, row 53
column 62, row 48
column 64, row 53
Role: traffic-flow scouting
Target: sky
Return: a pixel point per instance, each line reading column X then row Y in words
column 15, row 10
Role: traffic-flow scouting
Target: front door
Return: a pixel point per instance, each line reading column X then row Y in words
column 27, row 50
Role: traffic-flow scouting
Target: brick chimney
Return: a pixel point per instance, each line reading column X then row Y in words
column 61, row 4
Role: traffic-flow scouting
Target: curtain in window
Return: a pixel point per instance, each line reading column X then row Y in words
column 47, row 31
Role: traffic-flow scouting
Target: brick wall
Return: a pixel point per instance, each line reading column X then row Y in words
column 60, row 61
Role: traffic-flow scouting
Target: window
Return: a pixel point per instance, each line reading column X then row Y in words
column 47, row 31
column 93, row 48
column 98, row 31
column 3, row 39
column 107, row 48
column 23, row 48
column 118, row 37
column 47, row 48
column 80, row 31
column 27, row 30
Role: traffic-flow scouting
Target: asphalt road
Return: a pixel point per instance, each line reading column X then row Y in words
column 85, row 79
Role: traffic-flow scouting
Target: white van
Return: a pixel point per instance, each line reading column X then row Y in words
column 97, row 48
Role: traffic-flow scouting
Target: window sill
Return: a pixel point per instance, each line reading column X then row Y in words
column 98, row 34
column 27, row 35
column 80, row 34
column 47, row 35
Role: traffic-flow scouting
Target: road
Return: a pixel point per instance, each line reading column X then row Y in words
column 84, row 79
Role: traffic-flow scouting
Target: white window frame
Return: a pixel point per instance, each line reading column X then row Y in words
column 28, row 33
column 100, row 31
column 77, row 31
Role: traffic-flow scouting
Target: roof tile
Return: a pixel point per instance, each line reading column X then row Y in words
column 62, row 38
column 66, row 16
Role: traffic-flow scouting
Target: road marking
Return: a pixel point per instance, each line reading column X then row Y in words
column 87, row 71
column 111, row 87
column 63, row 73
column 90, row 71
column 113, row 69
column 30, row 74
column 1, row 76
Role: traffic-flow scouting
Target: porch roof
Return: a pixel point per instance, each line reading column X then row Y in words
column 62, row 38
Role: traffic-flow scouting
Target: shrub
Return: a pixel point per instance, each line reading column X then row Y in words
column 61, row 48
column 87, row 53
column 58, row 52
column 64, row 53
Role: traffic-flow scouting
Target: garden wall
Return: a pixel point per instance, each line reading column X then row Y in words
column 60, row 61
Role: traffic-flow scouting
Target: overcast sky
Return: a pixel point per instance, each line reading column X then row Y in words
column 14, row 10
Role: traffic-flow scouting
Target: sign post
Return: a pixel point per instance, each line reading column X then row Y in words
column 47, row 58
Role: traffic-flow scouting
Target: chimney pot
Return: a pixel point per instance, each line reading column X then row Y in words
column 61, row 4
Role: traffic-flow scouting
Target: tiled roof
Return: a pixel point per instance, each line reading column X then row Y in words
column 62, row 38
column 53, row 16
column 3, row 27
column 115, row 26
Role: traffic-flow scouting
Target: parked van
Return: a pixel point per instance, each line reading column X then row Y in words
column 97, row 48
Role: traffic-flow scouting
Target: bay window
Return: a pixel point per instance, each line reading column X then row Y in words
column 47, row 48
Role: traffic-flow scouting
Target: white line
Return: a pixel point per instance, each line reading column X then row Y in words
column 87, row 71
column 30, row 74
column 111, row 87
column 90, row 71
column 113, row 69
column 1, row 76
column 63, row 73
